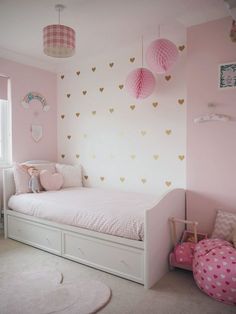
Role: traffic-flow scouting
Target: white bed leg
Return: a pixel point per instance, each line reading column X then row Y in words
column 8, row 190
column 5, row 224
column 158, row 242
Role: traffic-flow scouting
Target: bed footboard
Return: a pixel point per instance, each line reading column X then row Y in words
column 158, row 242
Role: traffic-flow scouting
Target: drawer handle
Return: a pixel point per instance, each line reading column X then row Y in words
column 123, row 262
column 49, row 242
column 81, row 251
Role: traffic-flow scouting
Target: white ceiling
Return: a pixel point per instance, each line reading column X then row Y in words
column 99, row 24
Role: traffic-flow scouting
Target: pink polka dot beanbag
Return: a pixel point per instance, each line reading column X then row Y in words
column 214, row 269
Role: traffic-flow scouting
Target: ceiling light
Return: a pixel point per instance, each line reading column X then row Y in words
column 58, row 39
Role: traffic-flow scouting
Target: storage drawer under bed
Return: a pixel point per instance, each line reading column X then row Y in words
column 124, row 261
column 119, row 259
column 40, row 236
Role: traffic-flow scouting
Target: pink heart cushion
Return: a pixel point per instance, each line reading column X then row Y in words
column 51, row 182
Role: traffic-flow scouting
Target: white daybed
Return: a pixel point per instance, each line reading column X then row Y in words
column 144, row 262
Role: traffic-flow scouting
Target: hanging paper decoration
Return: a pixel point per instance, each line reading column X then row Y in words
column 140, row 83
column 161, row 55
column 34, row 95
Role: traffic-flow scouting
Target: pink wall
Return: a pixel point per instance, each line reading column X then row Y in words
column 23, row 80
column 211, row 148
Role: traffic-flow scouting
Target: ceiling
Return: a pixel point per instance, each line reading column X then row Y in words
column 99, row 24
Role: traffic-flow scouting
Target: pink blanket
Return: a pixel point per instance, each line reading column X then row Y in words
column 108, row 211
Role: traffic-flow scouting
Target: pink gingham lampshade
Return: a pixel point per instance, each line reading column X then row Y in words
column 140, row 83
column 58, row 41
column 161, row 55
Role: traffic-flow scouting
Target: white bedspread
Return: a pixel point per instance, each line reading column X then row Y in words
column 108, row 211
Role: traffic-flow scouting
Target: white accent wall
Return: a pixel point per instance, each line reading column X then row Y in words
column 121, row 142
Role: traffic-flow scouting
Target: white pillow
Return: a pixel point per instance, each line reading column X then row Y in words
column 224, row 224
column 72, row 175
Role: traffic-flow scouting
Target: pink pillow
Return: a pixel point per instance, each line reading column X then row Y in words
column 51, row 182
column 21, row 176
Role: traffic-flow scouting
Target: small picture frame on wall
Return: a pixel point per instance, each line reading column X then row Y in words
column 227, row 75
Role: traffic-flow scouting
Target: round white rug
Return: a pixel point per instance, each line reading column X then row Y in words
column 43, row 292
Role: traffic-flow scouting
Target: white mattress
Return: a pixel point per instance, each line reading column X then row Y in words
column 113, row 212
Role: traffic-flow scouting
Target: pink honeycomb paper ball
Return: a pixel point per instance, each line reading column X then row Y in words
column 161, row 55
column 140, row 83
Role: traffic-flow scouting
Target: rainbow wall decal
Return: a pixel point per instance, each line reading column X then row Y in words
column 35, row 96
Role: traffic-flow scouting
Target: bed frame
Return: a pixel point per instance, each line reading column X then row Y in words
column 143, row 262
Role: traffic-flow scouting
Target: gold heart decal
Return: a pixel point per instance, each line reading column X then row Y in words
column 77, row 114
column 143, row 133
column 155, row 104
column 69, row 137
column 62, row 156
column 111, row 110
column 77, row 156
column 181, row 48
column 181, row 157
column 168, row 132
column 122, row 179
column 132, row 59
column 143, row 180
column 101, row 89
column 62, row 77
column 132, row 156
column 102, row 178
column 62, row 116
column 84, row 92
column 68, row 95
column 94, row 112
column 111, row 64
column 78, row 73
column 132, row 107
column 121, row 86
column 180, row 101
column 168, row 183
column 94, row 69
column 86, row 177
column 168, row 77
column 155, row 157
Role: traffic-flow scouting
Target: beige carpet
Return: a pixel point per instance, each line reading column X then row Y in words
column 43, row 292
column 176, row 293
